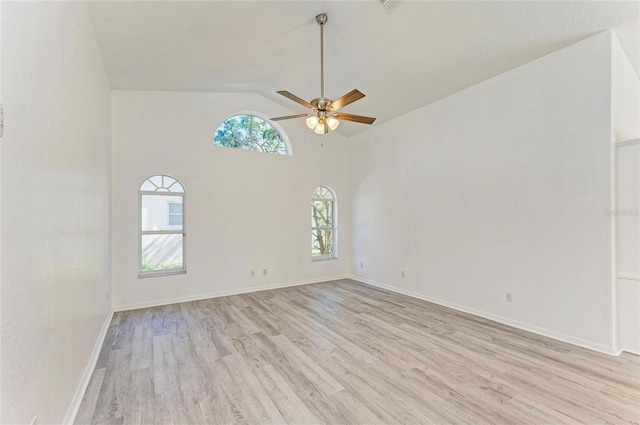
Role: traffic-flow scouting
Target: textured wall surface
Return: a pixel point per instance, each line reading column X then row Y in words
column 502, row 187
column 626, row 126
column 625, row 96
column 55, row 206
column 244, row 210
column 628, row 245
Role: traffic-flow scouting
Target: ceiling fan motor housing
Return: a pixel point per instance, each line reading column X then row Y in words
column 321, row 103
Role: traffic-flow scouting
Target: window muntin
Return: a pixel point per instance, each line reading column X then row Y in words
column 251, row 133
column 323, row 224
column 162, row 235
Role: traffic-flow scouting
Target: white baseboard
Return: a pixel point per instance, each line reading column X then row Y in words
column 609, row 350
column 189, row 298
column 72, row 412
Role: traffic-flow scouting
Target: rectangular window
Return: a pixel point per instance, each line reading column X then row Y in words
column 162, row 237
column 175, row 213
column 323, row 224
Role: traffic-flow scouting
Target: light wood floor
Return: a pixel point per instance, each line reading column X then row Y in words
column 346, row 353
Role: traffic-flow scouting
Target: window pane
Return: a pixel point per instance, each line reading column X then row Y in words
column 265, row 138
column 167, row 181
column 175, row 208
column 156, row 180
column 161, row 252
column 148, row 186
column 175, row 220
column 161, row 183
column 321, row 243
column 321, row 214
column 176, row 188
column 250, row 133
column 155, row 212
column 322, row 192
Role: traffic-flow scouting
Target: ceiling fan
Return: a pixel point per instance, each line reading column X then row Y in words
column 325, row 116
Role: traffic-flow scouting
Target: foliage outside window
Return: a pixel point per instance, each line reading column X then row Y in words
column 251, row 133
column 323, row 232
column 162, row 236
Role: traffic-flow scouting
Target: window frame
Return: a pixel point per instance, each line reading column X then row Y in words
column 162, row 191
column 283, row 135
column 334, row 224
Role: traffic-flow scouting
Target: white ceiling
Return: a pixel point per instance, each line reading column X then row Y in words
column 422, row 52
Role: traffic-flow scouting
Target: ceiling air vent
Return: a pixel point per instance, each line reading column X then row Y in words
column 391, row 5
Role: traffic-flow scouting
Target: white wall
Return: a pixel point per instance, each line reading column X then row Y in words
column 625, row 116
column 0, row 211
column 244, row 210
column 502, row 187
column 627, row 215
column 55, row 206
column 625, row 95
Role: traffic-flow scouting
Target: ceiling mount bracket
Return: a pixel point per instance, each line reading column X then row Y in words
column 321, row 19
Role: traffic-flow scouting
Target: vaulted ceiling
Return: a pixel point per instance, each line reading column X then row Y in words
column 419, row 53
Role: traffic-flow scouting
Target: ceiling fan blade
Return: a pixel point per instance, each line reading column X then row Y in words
column 348, row 98
column 288, row 117
column 355, row 118
column 296, row 99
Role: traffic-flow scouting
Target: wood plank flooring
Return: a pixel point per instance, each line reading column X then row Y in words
column 346, row 353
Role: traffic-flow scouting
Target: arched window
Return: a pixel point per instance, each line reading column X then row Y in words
column 162, row 236
column 323, row 224
column 253, row 133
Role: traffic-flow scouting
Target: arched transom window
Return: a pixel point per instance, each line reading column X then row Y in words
column 162, row 236
column 251, row 133
column 323, row 224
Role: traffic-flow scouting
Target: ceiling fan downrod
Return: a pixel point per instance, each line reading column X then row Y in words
column 321, row 19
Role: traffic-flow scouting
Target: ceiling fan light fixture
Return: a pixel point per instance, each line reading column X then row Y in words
column 333, row 123
column 312, row 122
column 320, row 128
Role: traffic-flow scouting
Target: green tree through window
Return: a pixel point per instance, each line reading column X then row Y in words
column 251, row 133
column 322, row 223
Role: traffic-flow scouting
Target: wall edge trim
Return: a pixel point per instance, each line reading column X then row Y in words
column 612, row 351
column 630, row 142
column 74, row 407
column 157, row 303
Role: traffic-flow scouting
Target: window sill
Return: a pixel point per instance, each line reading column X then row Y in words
column 142, row 275
column 327, row 258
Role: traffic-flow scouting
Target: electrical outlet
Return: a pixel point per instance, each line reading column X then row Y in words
column 361, row 265
column 264, row 272
column 252, row 272
column 509, row 297
column 403, row 274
